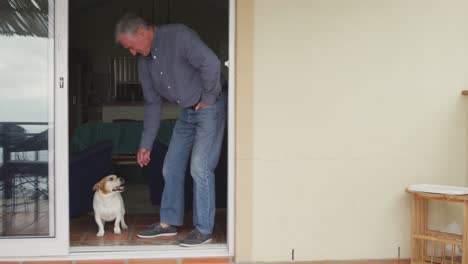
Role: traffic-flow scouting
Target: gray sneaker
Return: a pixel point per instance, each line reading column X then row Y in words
column 156, row 230
column 195, row 238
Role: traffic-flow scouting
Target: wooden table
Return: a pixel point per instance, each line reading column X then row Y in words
column 421, row 234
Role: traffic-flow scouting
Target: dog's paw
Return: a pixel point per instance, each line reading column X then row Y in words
column 124, row 226
column 117, row 231
column 100, row 233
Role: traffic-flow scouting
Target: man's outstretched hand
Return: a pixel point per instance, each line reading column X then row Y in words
column 143, row 157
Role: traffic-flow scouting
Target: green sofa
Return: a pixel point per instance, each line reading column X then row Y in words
column 125, row 136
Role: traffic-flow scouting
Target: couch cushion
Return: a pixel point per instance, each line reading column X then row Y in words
column 124, row 135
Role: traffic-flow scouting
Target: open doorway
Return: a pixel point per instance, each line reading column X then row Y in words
column 106, row 109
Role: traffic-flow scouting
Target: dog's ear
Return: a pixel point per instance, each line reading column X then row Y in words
column 97, row 186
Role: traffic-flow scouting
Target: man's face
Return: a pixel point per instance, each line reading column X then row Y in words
column 136, row 44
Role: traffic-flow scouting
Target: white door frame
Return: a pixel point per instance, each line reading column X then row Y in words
column 171, row 251
column 231, row 129
column 58, row 243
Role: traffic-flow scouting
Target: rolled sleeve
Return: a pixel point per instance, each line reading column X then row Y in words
column 152, row 107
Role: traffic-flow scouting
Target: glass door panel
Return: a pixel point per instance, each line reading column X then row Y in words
column 26, row 121
column 30, row 206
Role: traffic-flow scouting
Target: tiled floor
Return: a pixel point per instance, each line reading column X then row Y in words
column 28, row 218
column 83, row 231
column 140, row 214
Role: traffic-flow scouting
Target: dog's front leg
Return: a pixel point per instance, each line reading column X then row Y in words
column 100, row 224
column 117, row 225
column 122, row 223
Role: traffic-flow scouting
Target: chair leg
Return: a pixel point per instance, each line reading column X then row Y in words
column 419, row 225
column 465, row 234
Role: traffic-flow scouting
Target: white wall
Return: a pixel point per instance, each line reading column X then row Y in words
column 352, row 102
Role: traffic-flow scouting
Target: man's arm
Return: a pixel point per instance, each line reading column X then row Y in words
column 203, row 58
column 152, row 108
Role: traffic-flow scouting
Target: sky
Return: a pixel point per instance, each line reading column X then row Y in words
column 26, row 65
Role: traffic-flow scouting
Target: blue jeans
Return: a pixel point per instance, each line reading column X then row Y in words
column 197, row 135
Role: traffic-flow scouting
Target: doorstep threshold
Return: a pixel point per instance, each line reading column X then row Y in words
column 134, row 252
column 150, row 251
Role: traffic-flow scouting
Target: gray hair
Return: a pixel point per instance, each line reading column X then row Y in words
column 128, row 25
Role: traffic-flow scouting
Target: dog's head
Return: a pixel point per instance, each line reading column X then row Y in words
column 110, row 184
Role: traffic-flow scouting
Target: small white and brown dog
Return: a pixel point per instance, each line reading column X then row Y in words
column 108, row 203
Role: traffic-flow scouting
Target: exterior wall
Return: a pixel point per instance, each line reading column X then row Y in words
column 340, row 106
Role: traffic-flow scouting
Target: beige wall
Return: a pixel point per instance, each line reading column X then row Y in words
column 341, row 104
column 244, row 134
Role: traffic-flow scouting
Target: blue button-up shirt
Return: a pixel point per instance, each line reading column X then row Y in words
column 180, row 68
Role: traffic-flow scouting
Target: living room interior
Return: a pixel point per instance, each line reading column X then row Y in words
column 106, row 112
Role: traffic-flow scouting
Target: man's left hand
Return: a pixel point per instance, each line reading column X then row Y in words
column 199, row 106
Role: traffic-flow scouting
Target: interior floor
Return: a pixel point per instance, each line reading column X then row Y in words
column 140, row 213
column 83, row 231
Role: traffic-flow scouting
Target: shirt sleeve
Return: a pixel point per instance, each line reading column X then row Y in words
column 203, row 58
column 152, row 106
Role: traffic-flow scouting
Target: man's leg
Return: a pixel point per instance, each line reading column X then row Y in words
column 205, row 156
column 175, row 165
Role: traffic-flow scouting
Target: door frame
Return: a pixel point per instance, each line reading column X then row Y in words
column 208, row 250
column 231, row 205
column 174, row 251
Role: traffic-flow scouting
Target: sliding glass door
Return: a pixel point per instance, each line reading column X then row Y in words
column 33, row 130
